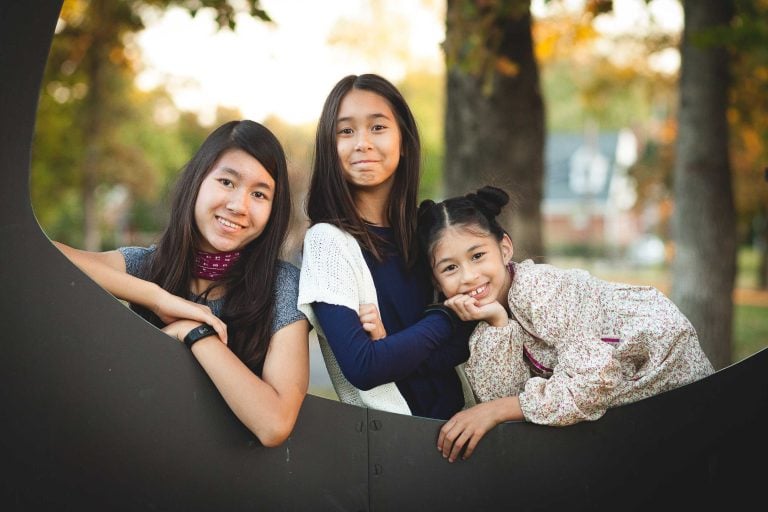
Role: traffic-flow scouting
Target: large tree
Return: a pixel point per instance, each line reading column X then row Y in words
column 703, row 221
column 494, row 117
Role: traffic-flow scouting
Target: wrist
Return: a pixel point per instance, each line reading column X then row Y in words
column 197, row 334
column 498, row 321
column 509, row 409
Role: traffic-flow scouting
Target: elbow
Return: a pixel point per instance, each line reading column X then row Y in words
column 274, row 432
column 361, row 380
column 274, row 439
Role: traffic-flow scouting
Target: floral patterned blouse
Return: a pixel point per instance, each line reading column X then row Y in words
column 577, row 345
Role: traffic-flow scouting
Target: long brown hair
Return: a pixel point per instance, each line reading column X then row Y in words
column 329, row 198
column 249, row 286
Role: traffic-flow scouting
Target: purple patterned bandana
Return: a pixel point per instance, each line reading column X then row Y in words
column 213, row 266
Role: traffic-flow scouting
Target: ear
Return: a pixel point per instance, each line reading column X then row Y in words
column 507, row 249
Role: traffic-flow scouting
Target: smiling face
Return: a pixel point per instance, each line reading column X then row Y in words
column 234, row 202
column 472, row 262
column 368, row 141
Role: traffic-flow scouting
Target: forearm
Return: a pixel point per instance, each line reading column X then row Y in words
column 366, row 363
column 268, row 413
column 108, row 271
column 256, row 404
column 268, row 405
column 453, row 352
column 506, row 409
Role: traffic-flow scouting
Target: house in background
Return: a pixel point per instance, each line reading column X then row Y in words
column 588, row 193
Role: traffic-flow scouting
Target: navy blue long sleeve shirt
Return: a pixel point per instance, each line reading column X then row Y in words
column 420, row 350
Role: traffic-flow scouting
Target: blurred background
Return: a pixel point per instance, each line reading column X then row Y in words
column 632, row 134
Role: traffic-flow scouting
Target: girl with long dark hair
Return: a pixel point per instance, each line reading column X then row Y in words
column 214, row 279
column 360, row 262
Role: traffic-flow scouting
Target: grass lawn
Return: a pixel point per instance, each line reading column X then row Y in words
column 750, row 330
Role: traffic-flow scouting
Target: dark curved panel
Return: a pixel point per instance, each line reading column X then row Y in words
column 102, row 412
column 700, row 447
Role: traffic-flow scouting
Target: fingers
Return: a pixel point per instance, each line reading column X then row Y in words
column 220, row 328
column 204, row 314
column 371, row 321
column 472, row 444
column 368, row 309
column 368, row 318
column 451, row 439
column 463, row 432
column 463, row 306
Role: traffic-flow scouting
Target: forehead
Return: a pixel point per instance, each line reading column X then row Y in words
column 359, row 103
column 456, row 240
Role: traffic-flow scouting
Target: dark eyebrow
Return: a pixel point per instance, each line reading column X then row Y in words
column 371, row 117
column 237, row 174
column 471, row 249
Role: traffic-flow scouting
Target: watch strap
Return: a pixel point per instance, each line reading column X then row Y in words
column 198, row 333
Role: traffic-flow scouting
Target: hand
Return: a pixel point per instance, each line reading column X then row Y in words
column 466, row 428
column 180, row 328
column 372, row 324
column 466, row 309
column 171, row 308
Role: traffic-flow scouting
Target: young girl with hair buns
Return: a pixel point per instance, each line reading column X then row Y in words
column 553, row 346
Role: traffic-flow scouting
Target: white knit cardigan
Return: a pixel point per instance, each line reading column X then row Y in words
column 334, row 271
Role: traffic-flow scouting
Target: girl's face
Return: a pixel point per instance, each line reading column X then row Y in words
column 368, row 140
column 471, row 262
column 234, row 202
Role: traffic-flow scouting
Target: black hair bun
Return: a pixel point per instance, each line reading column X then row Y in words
column 489, row 200
column 424, row 208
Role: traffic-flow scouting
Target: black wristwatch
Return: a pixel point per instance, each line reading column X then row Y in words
column 198, row 333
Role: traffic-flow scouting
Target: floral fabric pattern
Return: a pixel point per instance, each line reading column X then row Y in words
column 608, row 344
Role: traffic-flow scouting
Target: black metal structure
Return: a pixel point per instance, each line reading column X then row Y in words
column 100, row 411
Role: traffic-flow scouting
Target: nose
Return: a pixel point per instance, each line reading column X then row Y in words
column 236, row 201
column 363, row 141
column 468, row 275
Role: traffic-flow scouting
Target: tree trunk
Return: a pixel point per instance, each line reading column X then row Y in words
column 494, row 121
column 703, row 222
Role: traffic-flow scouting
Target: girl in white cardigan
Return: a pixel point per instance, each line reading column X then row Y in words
column 360, row 258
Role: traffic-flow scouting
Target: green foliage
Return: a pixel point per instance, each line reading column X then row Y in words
column 750, row 326
column 425, row 93
column 94, row 130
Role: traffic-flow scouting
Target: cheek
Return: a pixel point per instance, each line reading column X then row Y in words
column 200, row 203
column 261, row 214
column 342, row 147
column 441, row 283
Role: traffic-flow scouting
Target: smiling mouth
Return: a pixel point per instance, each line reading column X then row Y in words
column 478, row 290
column 229, row 224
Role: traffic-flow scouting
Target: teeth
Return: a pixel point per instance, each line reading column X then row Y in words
column 227, row 223
column 476, row 291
